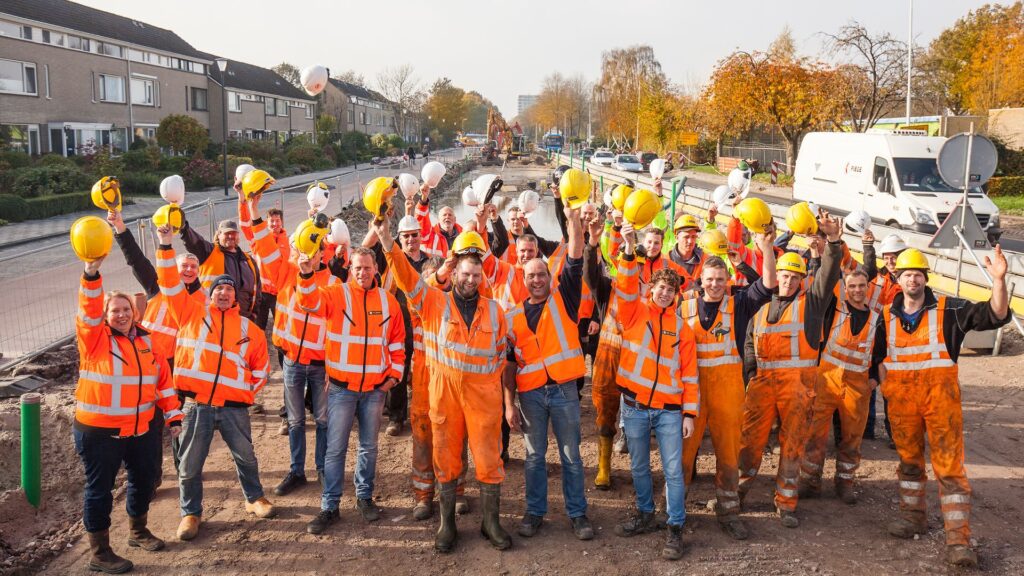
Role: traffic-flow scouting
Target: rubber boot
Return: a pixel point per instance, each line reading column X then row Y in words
column 603, row 481
column 490, row 527
column 961, row 556
column 445, row 540
column 140, row 537
column 103, row 558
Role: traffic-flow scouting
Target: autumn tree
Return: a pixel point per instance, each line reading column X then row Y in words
column 562, row 103
column 399, row 85
column 289, row 73
column 872, row 73
column 445, row 108
column 182, row 133
column 476, row 112
column 625, row 74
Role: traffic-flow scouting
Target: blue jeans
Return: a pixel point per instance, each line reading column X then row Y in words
column 196, row 434
column 102, row 457
column 296, row 378
column 668, row 428
column 560, row 405
column 343, row 408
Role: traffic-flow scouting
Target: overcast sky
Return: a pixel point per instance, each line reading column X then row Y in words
column 503, row 49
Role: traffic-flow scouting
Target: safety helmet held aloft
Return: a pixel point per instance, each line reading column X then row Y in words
column 432, row 172
column 106, row 194
column 469, row 197
column 800, row 220
column 792, row 262
column 722, row 195
column 172, row 189
column 310, row 234
column 685, row 221
column 755, row 215
column 892, row 244
column 714, row 242
column 313, row 79
column 739, row 181
column 469, row 242
column 641, row 208
column 339, row 233
column 409, row 184
column 575, row 187
column 255, row 182
column 408, row 224
column 241, row 171
column 169, row 214
column 619, row 196
column 528, row 202
column 377, row 196
column 858, row 221
column 556, row 176
column 318, row 195
column 912, row 259
column 91, row 238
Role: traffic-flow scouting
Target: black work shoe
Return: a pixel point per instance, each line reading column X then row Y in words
column 369, row 510
column 582, row 529
column 789, row 519
column 530, row 525
column 734, row 527
column 323, row 519
column 673, row 549
column 394, row 428
column 290, row 483
column 637, row 523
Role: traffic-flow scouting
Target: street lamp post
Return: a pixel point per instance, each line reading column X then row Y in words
column 222, row 65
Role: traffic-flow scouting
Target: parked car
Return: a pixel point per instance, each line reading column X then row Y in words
column 587, row 153
column 627, row 163
column 647, row 157
column 603, row 158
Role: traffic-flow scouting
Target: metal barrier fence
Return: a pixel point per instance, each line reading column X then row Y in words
column 38, row 294
column 763, row 154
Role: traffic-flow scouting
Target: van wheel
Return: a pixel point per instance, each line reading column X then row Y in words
column 894, row 224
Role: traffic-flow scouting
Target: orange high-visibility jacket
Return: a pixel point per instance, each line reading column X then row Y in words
column 432, row 240
column 365, row 332
column 213, row 266
column 163, row 330
column 553, row 352
column 506, row 282
column 783, row 346
column 717, row 345
column 920, row 356
column 847, row 353
column 120, row 379
column 280, row 239
column 658, row 363
column 221, row 357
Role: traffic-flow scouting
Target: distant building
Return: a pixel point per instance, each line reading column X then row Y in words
column 261, row 105
column 359, row 109
column 525, row 101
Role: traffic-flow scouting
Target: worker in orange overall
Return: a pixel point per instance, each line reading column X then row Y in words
column 780, row 363
column 919, row 337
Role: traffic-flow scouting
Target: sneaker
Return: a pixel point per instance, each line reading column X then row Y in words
column 282, row 430
column 789, row 519
column 673, row 549
column 323, row 519
column 637, row 523
column 582, row 529
column 394, row 428
column 369, row 510
column 530, row 525
column 290, row 483
column 620, row 446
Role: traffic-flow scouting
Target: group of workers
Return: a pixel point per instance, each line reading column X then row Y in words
column 484, row 327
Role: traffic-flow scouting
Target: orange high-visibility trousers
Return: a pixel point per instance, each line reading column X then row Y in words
column 920, row 406
column 851, row 396
column 604, row 392
column 721, row 410
column 787, row 395
column 461, row 412
column 422, row 435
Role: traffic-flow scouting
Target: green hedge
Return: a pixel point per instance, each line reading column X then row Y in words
column 13, row 208
column 47, row 206
column 1006, row 186
column 50, row 180
column 140, row 183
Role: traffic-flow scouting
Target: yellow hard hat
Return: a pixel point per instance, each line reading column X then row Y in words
column 911, row 259
column 619, row 196
column 714, row 242
column 575, row 186
column 792, row 262
column 377, row 195
column 256, row 181
column 801, row 220
column 754, row 214
column 468, row 242
column 91, row 238
column 641, row 208
column 686, row 221
column 310, row 234
column 169, row 214
column 106, row 193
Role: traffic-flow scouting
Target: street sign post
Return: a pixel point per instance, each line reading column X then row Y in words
column 688, row 139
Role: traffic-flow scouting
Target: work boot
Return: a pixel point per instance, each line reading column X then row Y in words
column 845, row 493
column 369, row 510
column 290, row 483
column 282, row 430
column 261, row 507
column 673, row 549
column 189, row 527
column 961, row 556
column 423, row 509
column 637, row 523
column 603, row 481
column 490, row 508
column 734, row 527
column 394, row 428
column 103, row 558
column 444, row 541
column 256, row 408
column 620, row 444
column 807, row 489
column 582, row 528
column 906, row 529
column 140, row 537
column 323, row 519
column 789, row 519
column 530, row 524
column 461, row 504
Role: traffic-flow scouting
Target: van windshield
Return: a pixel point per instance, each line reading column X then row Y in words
column 920, row 175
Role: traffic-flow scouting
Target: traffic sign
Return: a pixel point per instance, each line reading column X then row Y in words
column 953, row 164
column 945, row 237
column 688, row 139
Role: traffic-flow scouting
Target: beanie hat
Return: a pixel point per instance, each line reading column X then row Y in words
column 222, row 279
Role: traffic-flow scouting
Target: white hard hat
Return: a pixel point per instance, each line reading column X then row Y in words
column 722, row 195
column 408, row 184
column 657, row 168
column 172, row 189
column 892, row 244
column 313, row 79
column 469, row 197
column 529, row 200
column 339, row 232
column 408, row 224
column 857, row 221
column 432, row 172
column 482, row 184
column 739, row 181
column 242, row 170
column 318, row 195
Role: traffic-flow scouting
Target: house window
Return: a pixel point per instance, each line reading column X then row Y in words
column 10, row 29
column 282, row 107
column 111, row 88
column 54, row 38
column 351, row 116
column 143, row 92
column 17, row 77
column 109, row 49
column 362, row 118
column 199, row 99
column 26, row 32
column 234, row 102
column 309, row 110
column 269, row 107
column 78, row 43
column 20, row 138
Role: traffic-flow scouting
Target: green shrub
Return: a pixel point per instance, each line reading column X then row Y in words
column 1006, row 186
column 140, row 183
column 55, row 160
column 261, row 152
column 305, row 155
column 13, row 208
column 48, row 206
column 174, row 164
column 3, row 222
column 12, row 160
column 50, row 180
column 142, row 159
column 202, row 173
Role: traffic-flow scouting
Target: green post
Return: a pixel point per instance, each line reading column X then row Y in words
column 673, row 212
column 602, row 187
column 583, row 163
column 30, row 469
column 570, row 157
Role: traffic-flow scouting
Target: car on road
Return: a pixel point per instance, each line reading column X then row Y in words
column 603, row 158
column 627, row 163
column 587, row 153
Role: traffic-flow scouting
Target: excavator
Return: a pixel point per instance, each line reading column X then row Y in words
column 503, row 140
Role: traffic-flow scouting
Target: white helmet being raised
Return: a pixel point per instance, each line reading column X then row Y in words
column 722, row 195
column 892, row 244
column 242, row 170
column 858, row 221
column 317, row 195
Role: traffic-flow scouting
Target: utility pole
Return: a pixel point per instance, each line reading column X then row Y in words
column 910, row 53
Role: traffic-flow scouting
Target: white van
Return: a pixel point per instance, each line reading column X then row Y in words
column 894, row 177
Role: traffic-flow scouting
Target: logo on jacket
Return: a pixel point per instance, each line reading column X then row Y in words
column 718, row 330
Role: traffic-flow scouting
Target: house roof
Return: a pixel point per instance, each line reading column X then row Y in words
column 88, row 20
column 356, row 90
column 256, row 79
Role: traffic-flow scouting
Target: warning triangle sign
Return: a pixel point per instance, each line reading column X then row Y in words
column 945, row 237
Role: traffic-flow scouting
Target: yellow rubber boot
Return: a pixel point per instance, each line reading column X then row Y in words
column 603, row 481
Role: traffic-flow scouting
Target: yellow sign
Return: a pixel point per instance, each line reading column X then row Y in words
column 923, row 127
column 688, row 139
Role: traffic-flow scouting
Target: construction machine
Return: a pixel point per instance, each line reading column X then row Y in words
column 504, row 140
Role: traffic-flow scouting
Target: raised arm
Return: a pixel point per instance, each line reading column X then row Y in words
column 181, row 306
column 142, row 268
column 89, row 321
